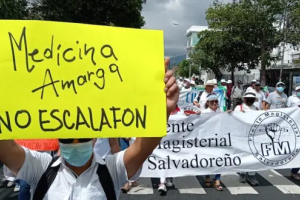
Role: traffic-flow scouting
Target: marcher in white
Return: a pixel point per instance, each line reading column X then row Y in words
column 200, row 99
column 276, row 99
column 252, row 87
column 186, row 85
column 79, row 173
column 223, row 82
column 294, row 101
column 248, row 105
column 236, row 94
column 212, row 105
column 260, row 104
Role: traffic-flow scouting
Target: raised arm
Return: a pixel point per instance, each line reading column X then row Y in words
column 139, row 151
column 114, row 145
column 12, row 155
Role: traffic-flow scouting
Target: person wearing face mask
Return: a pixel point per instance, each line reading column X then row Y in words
column 248, row 105
column 276, row 99
column 79, row 173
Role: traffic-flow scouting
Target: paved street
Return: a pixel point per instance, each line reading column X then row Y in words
column 275, row 185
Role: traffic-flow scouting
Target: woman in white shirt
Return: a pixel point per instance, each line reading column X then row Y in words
column 212, row 105
column 248, row 105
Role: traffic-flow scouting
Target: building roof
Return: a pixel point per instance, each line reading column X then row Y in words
column 196, row 29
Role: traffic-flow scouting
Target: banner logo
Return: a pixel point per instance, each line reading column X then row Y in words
column 283, row 135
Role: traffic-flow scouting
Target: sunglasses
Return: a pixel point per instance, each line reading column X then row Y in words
column 70, row 141
column 214, row 102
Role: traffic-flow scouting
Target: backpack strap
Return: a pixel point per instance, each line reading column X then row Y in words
column 46, row 180
column 106, row 182
column 199, row 96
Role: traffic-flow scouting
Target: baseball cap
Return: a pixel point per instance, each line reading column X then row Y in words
column 280, row 84
column 239, row 81
column 254, row 81
column 223, row 81
column 229, row 81
column 297, row 88
column 258, row 84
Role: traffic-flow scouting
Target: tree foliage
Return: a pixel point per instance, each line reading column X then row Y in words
column 184, row 69
column 123, row 13
column 246, row 32
column 13, row 9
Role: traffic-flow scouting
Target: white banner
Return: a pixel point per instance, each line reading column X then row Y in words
column 227, row 143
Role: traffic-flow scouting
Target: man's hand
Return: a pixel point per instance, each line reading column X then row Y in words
column 171, row 89
column 139, row 151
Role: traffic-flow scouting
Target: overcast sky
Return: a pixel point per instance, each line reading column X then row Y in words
column 160, row 14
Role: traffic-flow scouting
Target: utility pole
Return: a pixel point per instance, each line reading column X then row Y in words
column 284, row 40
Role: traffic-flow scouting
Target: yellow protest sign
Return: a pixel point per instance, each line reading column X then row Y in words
column 65, row 80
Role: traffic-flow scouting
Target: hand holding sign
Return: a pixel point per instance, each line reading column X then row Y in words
column 171, row 89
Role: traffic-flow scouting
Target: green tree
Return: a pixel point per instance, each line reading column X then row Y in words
column 123, row 13
column 247, row 32
column 13, row 9
column 184, row 69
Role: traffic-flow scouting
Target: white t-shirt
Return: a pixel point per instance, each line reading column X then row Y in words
column 293, row 101
column 203, row 99
column 236, row 92
column 245, row 107
column 66, row 186
column 102, row 147
column 249, row 89
column 261, row 97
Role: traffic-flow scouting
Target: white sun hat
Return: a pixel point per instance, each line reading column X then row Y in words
column 250, row 94
column 210, row 83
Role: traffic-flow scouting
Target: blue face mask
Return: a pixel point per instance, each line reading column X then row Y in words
column 298, row 94
column 280, row 89
column 78, row 154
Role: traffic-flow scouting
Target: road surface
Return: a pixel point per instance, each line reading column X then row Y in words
column 273, row 184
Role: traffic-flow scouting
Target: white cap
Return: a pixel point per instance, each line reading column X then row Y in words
column 193, row 82
column 229, row 81
column 254, row 81
column 210, row 82
column 223, row 81
column 215, row 81
column 297, row 88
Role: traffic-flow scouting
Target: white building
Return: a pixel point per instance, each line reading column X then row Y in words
column 192, row 40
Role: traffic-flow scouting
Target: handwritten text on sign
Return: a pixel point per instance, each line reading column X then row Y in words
column 63, row 80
